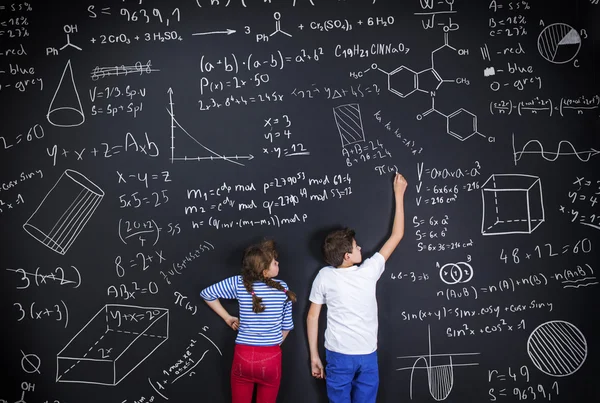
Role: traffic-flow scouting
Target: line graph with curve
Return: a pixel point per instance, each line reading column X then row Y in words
column 210, row 154
column 569, row 150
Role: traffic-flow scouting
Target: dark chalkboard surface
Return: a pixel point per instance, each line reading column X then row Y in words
column 145, row 144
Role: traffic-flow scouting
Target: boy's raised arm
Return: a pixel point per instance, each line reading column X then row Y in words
column 398, row 227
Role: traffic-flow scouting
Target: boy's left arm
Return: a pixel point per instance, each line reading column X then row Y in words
column 312, row 330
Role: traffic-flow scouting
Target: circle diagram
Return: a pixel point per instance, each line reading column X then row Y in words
column 557, row 348
column 559, row 43
column 454, row 273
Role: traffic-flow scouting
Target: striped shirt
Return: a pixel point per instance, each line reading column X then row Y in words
column 257, row 329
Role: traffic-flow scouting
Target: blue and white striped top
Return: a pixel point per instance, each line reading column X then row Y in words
column 257, row 329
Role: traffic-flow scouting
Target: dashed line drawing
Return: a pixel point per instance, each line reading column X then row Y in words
column 583, row 156
column 214, row 157
column 64, row 211
column 112, row 344
column 277, row 17
column 557, row 348
column 512, row 204
column 440, row 378
column 403, row 81
column 65, row 109
column 559, row 43
column 455, row 273
column 349, row 123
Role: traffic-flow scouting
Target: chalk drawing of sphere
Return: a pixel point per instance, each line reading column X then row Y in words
column 557, row 348
column 454, row 273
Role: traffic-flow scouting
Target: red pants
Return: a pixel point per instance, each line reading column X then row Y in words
column 255, row 365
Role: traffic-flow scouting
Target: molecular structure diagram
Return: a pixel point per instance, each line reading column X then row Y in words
column 404, row 81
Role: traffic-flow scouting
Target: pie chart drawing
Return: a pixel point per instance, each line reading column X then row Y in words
column 559, row 43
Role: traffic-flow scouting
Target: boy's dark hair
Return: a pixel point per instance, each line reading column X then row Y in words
column 336, row 244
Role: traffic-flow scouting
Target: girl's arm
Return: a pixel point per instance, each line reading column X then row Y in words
column 288, row 321
column 223, row 289
column 231, row 321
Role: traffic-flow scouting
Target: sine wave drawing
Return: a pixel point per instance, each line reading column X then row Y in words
column 569, row 150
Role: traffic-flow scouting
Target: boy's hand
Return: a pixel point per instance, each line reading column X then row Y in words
column 316, row 367
column 233, row 322
column 400, row 184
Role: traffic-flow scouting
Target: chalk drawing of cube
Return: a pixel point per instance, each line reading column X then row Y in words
column 112, row 344
column 512, row 204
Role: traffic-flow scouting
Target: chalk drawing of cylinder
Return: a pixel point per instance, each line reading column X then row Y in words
column 64, row 212
column 65, row 109
column 349, row 123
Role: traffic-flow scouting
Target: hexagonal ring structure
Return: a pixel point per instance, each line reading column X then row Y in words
column 462, row 124
column 402, row 81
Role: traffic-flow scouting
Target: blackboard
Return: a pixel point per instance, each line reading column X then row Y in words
column 145, row 144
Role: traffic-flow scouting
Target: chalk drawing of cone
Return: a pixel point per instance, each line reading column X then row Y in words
column 64, row 212
column 65, row 109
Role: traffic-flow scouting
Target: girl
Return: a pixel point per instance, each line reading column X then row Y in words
column 265, row 306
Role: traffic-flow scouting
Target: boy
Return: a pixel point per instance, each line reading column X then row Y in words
column 349, row 292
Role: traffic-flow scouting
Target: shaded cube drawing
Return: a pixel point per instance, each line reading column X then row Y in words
column 112, row 344
column 512, row 204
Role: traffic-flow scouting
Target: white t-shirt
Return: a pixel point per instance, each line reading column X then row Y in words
column 351, row 305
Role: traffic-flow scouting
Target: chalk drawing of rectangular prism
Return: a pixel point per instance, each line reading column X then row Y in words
column 112, row 344
column 512, row 204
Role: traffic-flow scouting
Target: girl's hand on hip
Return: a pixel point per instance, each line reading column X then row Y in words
column 233, row 322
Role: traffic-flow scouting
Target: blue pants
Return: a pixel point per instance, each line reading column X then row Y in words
column 351, row 378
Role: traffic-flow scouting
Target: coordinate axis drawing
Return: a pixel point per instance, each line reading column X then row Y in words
column 175, row 125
